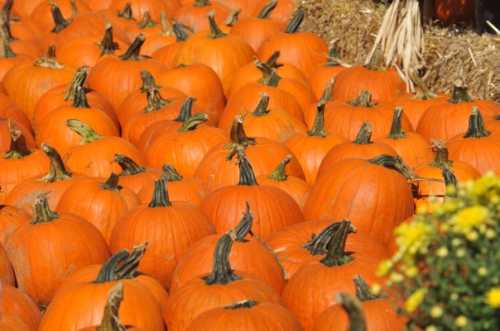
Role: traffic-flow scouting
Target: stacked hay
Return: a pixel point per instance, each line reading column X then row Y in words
column 449, row 55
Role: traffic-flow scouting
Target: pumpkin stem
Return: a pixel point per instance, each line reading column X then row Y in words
column 107, row 44
column 394, row 163
column 154, row 98
column 49, row 60
column 221, row 272
column 396, row 129
column 460, row 93
column 476, row 125
column 57, row 170
column 192, row 123
column 110, row 320
column 42, row 212
column 364, row 136
column 166, row 26
column 78, row 81
column 7, row 52
column 296, row 21
column 126, row 12
column 238, row 135
column 333, row 55
column 80, row 98
column 111, row 184
column 318, row 245
column 201, row 3
column 232, row 18
column 59, row 21
column 121, row 265
column 129, row 166
column 247, row 175
column 263, row 106
column 87, row 134
column 74, row 8
column 170, row 174
column 133, row 53
column 268, row 8
column 363, row 292
column 441, row 159
column 180, row 32
column 5, row 28
column 449, row 177
column 272, row 61
column 318, row 129
column 244, row 227
column 354, row 310
column 269, row 76
column 186, row 110
column 337, row 254
column 215, row 31
column 18, row 148
column 7, row 9
column 160, row 195
column 148, row 81
column 364, row 100
column 279, row 174
column 242, row 304
column 146, row 22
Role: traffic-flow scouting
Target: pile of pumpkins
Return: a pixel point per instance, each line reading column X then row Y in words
column 206, row 165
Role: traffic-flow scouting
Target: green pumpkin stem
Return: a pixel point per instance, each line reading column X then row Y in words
column 193, row 122
column 279, row 174
column 126, row 12
column 268, row 8
column 333, row 55
column 122, row 265
column 364, row 99
column 186, row 110
column 354, row 310
column 78, row 81
column 441, row 158
column 247, row 175
column 129, row 167
column 232, row 18
column 7, row 52
column 460, row 93
column 318, row 128
column 269, row 76
column 215, row 31
column 337, row 254
column 397, row 131
column 160, row 195
column 364, row 136
column 18, row 147
column 262, row 108
column 449, row 177
column 476, row 127
column 146, row 21
column 272, row 61
column 155, row 100
column 133, row 53
column 6, row 11
column 244, row 227
column 180, row 32
column 238, row 135
column 318, row 245
column 111, row 184
column 87, row 134
column 42, row 212
column 60, row 23
column 80, row 98
column 57, row 170
column 170, row 174
column 110, row 320
column 296, row 21
column 242, row 304
column 394, row 163
column 201, row 3
column 107, row 44
column 49, row 60
column 221, row 272
column 363, row 291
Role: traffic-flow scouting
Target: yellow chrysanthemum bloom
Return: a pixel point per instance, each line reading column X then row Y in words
column 493, row 297
column 413, row 236
column 468, row 218
column 414, row 300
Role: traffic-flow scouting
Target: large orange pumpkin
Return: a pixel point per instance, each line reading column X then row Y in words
column 140, row 7
column 53, row 245
column 324, row 76
column 43, row 14
column 167, row 55
column 11, row 219
column 9, row 58
column 15, row 302
column 415, row 106
column 134, row 176
column 194, row 14
column 6, row 272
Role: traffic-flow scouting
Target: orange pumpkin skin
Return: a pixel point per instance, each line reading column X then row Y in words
column 14, row 302
column 288, row 245
column 140, row 7
column 6, row 273
column 10, row 111
column 167, row 55
column 6, row 125
column 41, row 15
column 11, row 218
column 194, row 14
column 385, row 86
column 322, row 76
column 181, row 222
column 134, row 176
column 264, row 316
column 415, row 106
column 374, row 190
column 283, row 11
column 24, row 8
column 248, row 8
column 12, row 323
column 11, row 61
column 198, row 81
column 47, row 246
column 255, row 31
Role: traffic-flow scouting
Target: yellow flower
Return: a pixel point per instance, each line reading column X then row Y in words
column 411, row 272
column 384, row 267
column 376, row 289
column 442, row 252
column 472, row 236
column 413, row 236
column 461, row 321
column 490, row 234
column 431, row 328
column 436, row 311
column 414, row 300
column 482, row 271
column 396, row 277
column 493, row 297
column 466, row 219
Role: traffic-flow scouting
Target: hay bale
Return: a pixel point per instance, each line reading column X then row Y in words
column 448, row 54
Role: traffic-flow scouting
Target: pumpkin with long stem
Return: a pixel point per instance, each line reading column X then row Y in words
column 220, row 287
column 314, row 286
column 102, row 203
column 217, row 169
column 362, row 148
column 55, row 182
column 183, row 223
column 194, row 14
column 42, row 15
column 224, row 53
column 134, row 176
column 180, row 188
column 323, row 75
column 305, row 242
column 167, row 55
column 249, row 254
column 273, row 209
column 15, row 302
column 296, row 187
column 478, row 147
column 140, row 306
column 374, row 194
column 11, row 218
column 6, row 272
column 413, row 148
column 302, row 49
column 247, row 315
column 68, row 242
column 94, row 154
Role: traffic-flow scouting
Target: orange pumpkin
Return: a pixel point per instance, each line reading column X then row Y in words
column 9, row 110
column 134, row 176
column 181, row 222
column 14, row 302
column 56, row 244
column 194, row 14
column 6, row 126
column 43, row 14
column 140, row 7
column 9, row 58
column 6, row 272
column 11, row 218
column 24, row 8
column 167, row 55
column 323, row 76
column 158, row 35
column 415, row 106
column 249, row 254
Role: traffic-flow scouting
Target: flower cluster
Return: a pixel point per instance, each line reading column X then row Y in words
column 447, row 266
